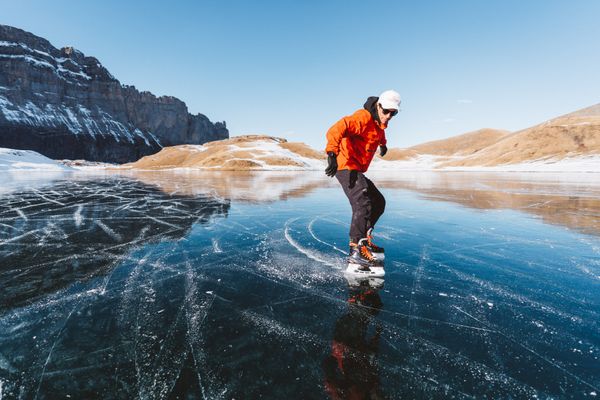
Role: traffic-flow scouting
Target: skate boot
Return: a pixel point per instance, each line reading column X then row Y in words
column 361, row 261
column 376, row 251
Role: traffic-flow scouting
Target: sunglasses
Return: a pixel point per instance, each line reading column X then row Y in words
column 388, row 111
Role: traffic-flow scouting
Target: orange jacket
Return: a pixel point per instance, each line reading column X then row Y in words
column 354, row 139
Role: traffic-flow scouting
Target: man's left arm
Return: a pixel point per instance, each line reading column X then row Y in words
column 382, row 146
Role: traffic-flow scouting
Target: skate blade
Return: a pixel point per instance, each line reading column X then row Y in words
column 362, row 281
column 375, row 271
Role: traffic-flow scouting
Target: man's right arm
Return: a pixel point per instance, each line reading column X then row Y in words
column 335, row 134
column 347, row 126
column 332, row 164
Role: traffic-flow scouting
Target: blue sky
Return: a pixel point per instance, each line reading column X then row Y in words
column 293, row 68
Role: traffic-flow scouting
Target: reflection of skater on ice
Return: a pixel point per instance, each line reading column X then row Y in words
column 351, row 370
column 351, row 146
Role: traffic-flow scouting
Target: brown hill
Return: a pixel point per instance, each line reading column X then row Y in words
column 592, row 111
column 464, row 144
column 396, row 154
column 239, row 153
column 574, row 134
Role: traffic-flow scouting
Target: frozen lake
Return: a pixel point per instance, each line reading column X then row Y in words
column 230, row 285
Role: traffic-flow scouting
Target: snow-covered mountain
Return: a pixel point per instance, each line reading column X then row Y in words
column 64, row 104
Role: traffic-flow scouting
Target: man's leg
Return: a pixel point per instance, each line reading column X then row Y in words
column 377, row 203
column 355, row 187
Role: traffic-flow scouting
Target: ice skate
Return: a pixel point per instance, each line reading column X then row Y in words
column 362, row 262
column 377, row 251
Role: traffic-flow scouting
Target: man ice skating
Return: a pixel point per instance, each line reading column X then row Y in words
column 351, row 145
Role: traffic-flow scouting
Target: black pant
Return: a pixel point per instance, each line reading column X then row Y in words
column 366, row 201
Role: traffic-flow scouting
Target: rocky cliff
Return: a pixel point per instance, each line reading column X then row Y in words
column 64, row 104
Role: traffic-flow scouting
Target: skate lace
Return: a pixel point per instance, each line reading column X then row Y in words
column 366, row 253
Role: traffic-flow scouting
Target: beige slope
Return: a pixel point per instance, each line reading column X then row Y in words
column 464, row 144
column 303, row 150
column 592, row 111
column 567, row 136
column 396, row 154
column 461, row 145
column 238, row 153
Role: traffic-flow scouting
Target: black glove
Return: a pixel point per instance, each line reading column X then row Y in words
column 382, row 150
column 331, row 164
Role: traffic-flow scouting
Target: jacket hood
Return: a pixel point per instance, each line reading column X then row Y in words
column 371, row 106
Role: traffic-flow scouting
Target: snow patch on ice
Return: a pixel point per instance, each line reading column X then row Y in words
column 117, row 237
column 271, row 327
column 216, row 246
column 77, row 216
column 26, row 160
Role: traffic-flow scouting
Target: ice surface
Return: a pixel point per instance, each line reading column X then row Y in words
column 162, row 285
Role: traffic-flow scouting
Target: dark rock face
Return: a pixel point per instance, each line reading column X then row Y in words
column 64, row 104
